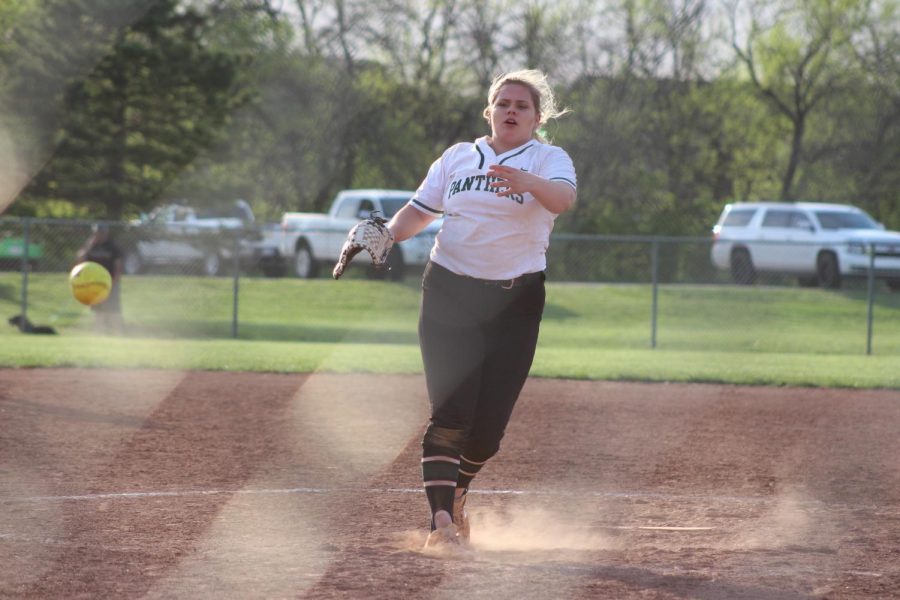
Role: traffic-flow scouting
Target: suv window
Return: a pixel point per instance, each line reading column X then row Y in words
column 777, row 218
column 845, row 220
column 738, row 217
column 801, row 221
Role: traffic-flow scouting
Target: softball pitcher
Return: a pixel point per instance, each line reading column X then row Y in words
column 483, row 288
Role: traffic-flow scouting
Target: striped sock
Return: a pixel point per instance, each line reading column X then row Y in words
column 467, row 471
column 439, row 473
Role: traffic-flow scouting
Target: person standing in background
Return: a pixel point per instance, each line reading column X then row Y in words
column 102, row 249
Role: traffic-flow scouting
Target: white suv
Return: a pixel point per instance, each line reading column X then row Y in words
column 819, row 243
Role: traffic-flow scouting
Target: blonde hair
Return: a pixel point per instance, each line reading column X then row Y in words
column 541, row 94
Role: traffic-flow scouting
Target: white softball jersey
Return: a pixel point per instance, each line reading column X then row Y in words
column 485, row 235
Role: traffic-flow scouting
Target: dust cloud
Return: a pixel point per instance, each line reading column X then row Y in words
column 529, row 529
column 792, row 521
column 522, row 529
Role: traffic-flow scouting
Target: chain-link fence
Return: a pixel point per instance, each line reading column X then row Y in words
column 869, row 281
column 159, row 257
column 165, row 270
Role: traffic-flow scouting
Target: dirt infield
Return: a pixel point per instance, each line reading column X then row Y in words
column 160, row 484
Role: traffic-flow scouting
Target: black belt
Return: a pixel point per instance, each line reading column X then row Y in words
column 506, row 284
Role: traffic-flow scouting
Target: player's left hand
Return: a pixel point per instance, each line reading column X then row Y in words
column 511, row 180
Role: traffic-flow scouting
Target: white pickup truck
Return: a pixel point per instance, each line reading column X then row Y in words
column 310, row 240
column 176, row 236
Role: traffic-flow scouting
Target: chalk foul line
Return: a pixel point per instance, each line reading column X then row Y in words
column 389, row 490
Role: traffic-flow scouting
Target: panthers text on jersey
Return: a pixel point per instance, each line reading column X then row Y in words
column 484, row 235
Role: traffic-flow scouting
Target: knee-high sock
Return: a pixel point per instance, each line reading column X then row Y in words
column 439, row 473
column 467, row 471
column 440, row 466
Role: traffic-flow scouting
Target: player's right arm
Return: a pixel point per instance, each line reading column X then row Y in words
column 427, row 204
column 408, row 222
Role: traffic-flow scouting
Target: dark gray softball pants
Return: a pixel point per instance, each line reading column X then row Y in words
column 477, row 340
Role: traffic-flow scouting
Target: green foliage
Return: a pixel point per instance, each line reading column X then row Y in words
column 660, row 159
column 48, row 45
column 133, row 103
column 800, row 63
column 141, row 114
column 12, row 13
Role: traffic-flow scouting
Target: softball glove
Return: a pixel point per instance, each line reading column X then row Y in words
column 371, row 235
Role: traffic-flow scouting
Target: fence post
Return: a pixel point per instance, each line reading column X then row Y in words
column 236, row 267
column 871, row 298
column 26, row 231
column 654, row 276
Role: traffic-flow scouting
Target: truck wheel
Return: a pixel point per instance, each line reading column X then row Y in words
column 742, row 270
column 133, row 264
column 827, row 271
column 305, row 265
column 212, row 264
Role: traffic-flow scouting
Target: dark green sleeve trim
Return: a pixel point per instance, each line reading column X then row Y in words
column 569, row 181
column 428, row 208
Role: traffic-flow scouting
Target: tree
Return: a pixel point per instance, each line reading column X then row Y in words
column 541, row 30
column 871, row 155
column 43, row 47
column 796, row 57
column 479, row 27
column 140, row 117
column 651, row 142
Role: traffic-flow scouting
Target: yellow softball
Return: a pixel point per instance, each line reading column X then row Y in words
column 90, row 283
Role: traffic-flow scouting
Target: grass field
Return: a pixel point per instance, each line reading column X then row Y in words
column 757, row 335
